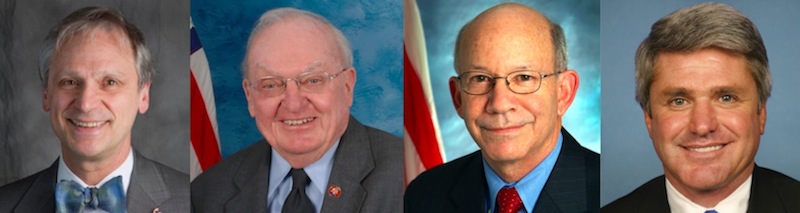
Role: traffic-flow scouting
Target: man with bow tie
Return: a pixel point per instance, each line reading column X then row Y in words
column 97, row 72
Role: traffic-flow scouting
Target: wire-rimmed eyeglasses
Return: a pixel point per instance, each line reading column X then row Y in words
column 272, row 86
column 520, row 82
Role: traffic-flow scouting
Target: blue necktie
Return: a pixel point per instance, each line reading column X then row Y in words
column 711, row 211
column 72, row 197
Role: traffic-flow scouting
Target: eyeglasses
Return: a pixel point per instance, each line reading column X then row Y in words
column 272, row 86
column 520, row 82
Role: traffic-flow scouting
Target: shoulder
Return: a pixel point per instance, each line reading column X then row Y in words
column 13, row 192
column 384, row 145
column 223, row 171
column 29, row 191
column 439, row 180
column 654, row 189
column 773, row 191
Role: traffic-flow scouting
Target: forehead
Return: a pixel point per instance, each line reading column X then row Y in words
column 507, row 37
column 95, row 45
column 292, row 44
column 705, row 68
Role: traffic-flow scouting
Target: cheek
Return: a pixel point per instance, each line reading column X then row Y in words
column 667, row 126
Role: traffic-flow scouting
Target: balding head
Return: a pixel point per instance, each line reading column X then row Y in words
column 512, row 24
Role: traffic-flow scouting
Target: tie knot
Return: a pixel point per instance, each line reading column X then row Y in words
column 711, row 211
column 508, row 200
column 299, row 178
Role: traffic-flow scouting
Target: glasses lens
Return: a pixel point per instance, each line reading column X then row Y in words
column 270, row 86
column 313, row 81
column 524, row 81
column 476, row 82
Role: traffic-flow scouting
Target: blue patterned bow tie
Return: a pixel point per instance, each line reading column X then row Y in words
column 72, row 197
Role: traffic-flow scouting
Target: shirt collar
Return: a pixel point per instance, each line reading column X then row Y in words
column 530, row 186
column 735, row 202
column 125, row 170
column 319, row 171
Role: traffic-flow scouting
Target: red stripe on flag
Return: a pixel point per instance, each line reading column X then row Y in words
column 417, row 119
column 203, row 139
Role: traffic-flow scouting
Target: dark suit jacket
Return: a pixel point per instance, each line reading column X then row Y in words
column 152, row 185
column 771, row 191
column 367, row 166
column 460, row 185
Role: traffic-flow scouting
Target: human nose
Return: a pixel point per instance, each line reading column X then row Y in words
column 703, row 118
column 500, row 98
column 87, row 98
column 294, row 98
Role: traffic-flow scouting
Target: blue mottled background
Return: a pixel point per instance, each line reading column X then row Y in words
column 375, row 31
column 581, row 22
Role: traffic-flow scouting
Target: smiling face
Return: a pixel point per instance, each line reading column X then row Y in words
column 93, row 95
column 298, row 123
column 706, row 122
column 512, row 128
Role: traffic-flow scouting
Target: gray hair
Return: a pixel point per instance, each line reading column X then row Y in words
column 276, row 15
column 707, row 25
column 91, row 18
column 557, row 37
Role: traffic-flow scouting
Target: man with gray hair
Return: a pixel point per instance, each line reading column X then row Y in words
column 298, row 78
column 702, row 81
column 96, row 72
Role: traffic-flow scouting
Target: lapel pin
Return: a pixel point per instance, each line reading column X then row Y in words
column 156, row 210
column 334, row 191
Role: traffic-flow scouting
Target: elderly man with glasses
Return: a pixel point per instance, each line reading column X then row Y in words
column 512, row 89
column 299, row 81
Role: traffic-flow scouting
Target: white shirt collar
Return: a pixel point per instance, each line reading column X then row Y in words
column 125, row 170
column 735, row 202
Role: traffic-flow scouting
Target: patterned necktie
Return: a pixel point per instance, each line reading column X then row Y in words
column 72, row 197
column 297, row 201
column 508, row 200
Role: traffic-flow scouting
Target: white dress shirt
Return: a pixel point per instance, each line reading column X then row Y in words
column 735, row 202
column 125, row 170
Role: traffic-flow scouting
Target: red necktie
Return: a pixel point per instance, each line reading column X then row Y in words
column 508, row 200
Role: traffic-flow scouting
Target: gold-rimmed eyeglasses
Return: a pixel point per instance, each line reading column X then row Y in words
column 272, row 86
column 520, row 82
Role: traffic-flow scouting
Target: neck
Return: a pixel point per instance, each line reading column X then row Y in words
column 92, row 170
column 298, row 161
column 711, row 197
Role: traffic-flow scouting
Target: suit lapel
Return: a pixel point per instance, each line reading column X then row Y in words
column 565, row 190
column 469, row 191
column 40, row 197
column 351, row 164
column 252, row 180
column 147, row 189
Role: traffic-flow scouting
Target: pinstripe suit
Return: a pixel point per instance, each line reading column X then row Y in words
column 460, row 186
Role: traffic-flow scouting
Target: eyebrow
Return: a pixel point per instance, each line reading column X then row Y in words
column 517, row 68
column 271, row 71
column 672, row 92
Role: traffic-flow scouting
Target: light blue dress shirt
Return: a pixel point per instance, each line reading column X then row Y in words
column 280, row 182
column 529, row 187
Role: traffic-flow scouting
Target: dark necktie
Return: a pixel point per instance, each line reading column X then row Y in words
column 72, row 197
column 297, row 201
column 508, row 200
column 711, row 211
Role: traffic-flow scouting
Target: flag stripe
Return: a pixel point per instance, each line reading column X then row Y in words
column 418, row 121
column 203, row 139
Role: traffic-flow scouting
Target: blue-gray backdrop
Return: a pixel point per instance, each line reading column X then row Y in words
column 441, row 22
column 628, row 158
column 375, row 31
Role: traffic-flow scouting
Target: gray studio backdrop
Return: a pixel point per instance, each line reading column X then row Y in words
column 27, row 141
column 628, row 159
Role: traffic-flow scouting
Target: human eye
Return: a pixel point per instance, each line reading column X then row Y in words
column 479, row 78
column 67, row 83
column 315, row 79
column 111, row 82
column 525, row 77
column 677, row 102
column 270, row 84
column 727, row 98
